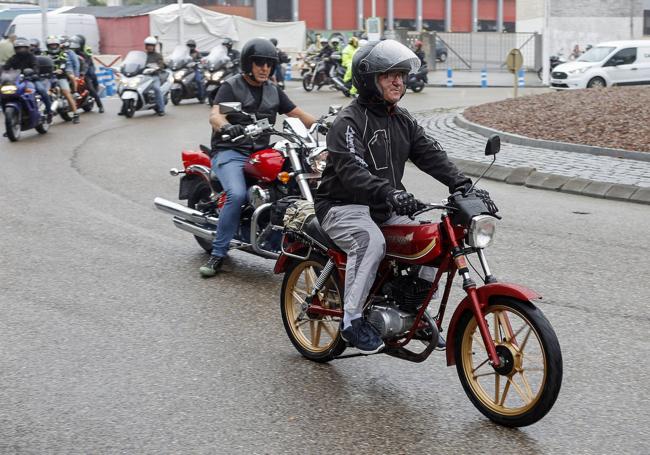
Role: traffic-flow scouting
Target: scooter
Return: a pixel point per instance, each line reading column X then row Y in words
column 135, row 87
column 217, row 68
column 417, row 81
column 23, row 109
column 183, row 69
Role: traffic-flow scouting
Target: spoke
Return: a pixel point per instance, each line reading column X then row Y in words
column 476, row 376
column 523, row 344
column 479, row 341
column 316, row 340
column 311, row 330
column 532, row 369
column 481, row 364
column 507, row 328
column 505, row 393
column 497, row 386
column 527, row 386
column 330, row 332
column 310, row 278
column 518, row 390
column 298, row 298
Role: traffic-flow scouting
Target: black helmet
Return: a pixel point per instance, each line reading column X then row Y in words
column 258, row 48
column 191, row 43
column 374, row 59
column 227, row 42
column 274, row 41
column 21, row 42
column 82, row 40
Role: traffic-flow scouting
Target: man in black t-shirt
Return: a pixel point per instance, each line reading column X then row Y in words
column 258, row 96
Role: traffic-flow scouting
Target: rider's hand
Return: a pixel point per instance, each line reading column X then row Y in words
column 232, row 130
column 463, row 188
column 403, row 203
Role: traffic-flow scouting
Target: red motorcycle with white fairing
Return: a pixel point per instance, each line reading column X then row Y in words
column 506, row 353
column 276, row 176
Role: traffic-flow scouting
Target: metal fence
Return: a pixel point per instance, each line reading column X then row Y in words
column 476, row 51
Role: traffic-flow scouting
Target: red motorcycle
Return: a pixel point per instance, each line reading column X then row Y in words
column 506, row 353
column 276, row 176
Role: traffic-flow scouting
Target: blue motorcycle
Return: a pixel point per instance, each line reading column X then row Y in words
column 22, row 108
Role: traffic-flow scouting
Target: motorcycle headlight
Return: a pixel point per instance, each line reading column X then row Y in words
column 134, row 82
column 8, row 89
column 481, row 231
column 178, row 75
column 318, row 160
column 218, row 75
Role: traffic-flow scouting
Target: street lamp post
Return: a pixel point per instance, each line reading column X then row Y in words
column 43, row 20
column 180, row 22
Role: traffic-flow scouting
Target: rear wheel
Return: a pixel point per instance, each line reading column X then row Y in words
column 177, row 97
column 88, row 105
column 12, row 123
column 64, row 111
column 316, row 337
column 525, row 386
column 128, row 108
column 308, row 83
column 201, row 193
column 417, row 86
column 596, row 82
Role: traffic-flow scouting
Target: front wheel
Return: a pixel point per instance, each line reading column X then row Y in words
column 308, row 83
column 12, row 123
column 128, row 108
column 527, row 382
column 316, row 337
column 177, row 97
column 596, row 82
column 417, row 86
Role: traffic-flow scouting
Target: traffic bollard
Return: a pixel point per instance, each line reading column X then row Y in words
column 450, row 79
column 484, row 82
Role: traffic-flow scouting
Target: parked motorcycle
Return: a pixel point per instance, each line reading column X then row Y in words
column 291, row 167
column 23, row 109
column 217, row 68
column 135, row 88
column 184, row 69
column 554, row 60
column 417, row 81
column 506, row 353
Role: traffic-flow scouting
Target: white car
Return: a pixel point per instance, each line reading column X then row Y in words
column 607, row 64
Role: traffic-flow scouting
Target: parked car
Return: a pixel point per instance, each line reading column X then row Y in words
column 441, row 51
column 607, row 64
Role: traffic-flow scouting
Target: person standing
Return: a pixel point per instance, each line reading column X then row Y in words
column 7, row 49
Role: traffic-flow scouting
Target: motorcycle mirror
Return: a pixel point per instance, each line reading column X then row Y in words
column 334, row 109
column 227, row 108
column 493, row 145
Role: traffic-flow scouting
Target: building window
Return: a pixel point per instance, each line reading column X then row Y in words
column 234, row 2
column 433, row 25
column 408, row 24
column 279, row 11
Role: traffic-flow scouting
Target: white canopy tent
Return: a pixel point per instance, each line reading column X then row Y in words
column 208, row 28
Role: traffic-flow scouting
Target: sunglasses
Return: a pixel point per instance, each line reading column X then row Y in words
column 263, row 61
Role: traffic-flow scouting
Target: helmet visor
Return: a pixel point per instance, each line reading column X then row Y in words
column 389, row 55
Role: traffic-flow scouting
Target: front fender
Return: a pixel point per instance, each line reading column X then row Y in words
column 485, row 294
column 129, row 95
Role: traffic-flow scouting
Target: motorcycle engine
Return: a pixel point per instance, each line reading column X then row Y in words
column 407, row 291
column 390, row 322
column 258, row 196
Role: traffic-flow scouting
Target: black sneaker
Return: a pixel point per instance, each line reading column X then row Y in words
column 75, row 119
column 101, row 109
column 212, row 266
column 363, row 336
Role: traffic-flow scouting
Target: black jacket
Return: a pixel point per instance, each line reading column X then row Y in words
column 368, row 149
column 155, row 57
column 22, row 62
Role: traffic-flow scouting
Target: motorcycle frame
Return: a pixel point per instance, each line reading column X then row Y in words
column 453, row 259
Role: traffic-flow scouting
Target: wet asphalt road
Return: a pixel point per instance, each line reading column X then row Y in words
column 110, row 342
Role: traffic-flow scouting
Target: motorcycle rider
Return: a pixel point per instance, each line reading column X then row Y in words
column 325, row 54
column 61, row 58
column 283, row 59
column 259, row 96
column 198, row 74
column 155, row 58
column 419, row 51
column 233, row 54
column 35, row 46
column 346, row 61
column 88, row 51
column 85, row 63
column 361, row 188
column 23, row 59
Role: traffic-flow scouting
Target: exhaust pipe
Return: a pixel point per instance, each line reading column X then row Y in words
column 193, row 229
column 182, row 212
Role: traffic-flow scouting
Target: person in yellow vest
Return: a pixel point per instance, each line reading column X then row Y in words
column 346, row 59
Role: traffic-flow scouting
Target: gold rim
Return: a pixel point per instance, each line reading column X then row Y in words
column 316, row 333
column 518, row 391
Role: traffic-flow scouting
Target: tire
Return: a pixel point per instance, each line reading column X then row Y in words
column 177, row 97
column 417, row 87
column 443, row 57
column 64, row 112
column 201, row 193
column 512, row 318
column 88, row 105
column 12, row 123
column 308, row 83
column 596, row 82
column 297, row 280
column 44, row 126
column 128, row 108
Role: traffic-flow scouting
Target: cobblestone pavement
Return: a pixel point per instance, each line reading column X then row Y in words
column 464, row 144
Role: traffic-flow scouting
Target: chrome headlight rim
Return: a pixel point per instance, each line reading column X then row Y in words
column 481, row 231
column 317, row 159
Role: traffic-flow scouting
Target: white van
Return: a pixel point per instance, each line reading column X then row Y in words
column 607, row 64
column 29, row 26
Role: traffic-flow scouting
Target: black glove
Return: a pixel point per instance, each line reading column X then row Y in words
column 403, row 203
column 463, row 188
column 232, row 130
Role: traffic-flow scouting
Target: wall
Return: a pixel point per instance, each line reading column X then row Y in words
column 528, row 10
column 433, row 9
column 596, row 8
column 343, row 17
column 244, row 11
column 566, row 32
column 461, row 16
column 313, row 12
column 118, row 36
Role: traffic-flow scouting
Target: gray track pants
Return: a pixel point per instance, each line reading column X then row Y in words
column 354, row 231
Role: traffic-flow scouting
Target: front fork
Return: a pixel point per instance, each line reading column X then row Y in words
column 470, row 288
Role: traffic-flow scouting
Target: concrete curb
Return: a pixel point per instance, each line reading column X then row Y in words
column 462, row 122
column 528, row 176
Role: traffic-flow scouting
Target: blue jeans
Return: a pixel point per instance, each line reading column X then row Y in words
column 198, row 78
column 160, row 101
column 42, row 91
column 229, row 167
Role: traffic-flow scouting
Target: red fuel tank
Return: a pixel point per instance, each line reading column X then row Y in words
column 417, row 243
column 264, row 165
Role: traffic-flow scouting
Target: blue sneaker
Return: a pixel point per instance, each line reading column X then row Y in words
column 363, row 336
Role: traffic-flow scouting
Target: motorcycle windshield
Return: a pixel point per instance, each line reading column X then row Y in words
column 9, row 77
column 217, row 57
column 179, row 57
column 390, row 55
column 134, row 63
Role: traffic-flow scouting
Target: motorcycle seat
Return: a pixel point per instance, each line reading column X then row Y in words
column 314, row 230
